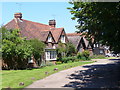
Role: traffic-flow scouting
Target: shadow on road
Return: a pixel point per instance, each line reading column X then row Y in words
column 96, row 76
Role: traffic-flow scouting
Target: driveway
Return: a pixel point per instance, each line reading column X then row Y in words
column 103, row 73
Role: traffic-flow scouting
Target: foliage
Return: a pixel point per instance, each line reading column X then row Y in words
column 79, row 55
column 86, row 54
column 70, row 49
column 100, row 20
column 61, row 50
column 65, row 50
column 68, row 59
column 58, row 62
column 83, row 55
column 38, row 48
column 15, row 50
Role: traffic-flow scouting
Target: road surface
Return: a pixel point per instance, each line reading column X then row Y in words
column 101, row 74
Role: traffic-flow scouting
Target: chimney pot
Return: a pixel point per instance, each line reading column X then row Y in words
column 52, row 23
column 18, row 15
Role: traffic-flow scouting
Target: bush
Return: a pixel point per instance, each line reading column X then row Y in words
column 58, row 62
column 86, row 54
column 68, row 59
column 79, row 55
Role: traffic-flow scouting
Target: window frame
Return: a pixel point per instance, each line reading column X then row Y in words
column 63, row 38
column 51, row 55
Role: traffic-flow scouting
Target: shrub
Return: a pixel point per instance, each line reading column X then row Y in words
column 79, row 55
column 68, row 59
column 58, row 62
column 86, row 54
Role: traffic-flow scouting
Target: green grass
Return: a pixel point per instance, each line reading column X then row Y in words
column 12, row 78
column 101, row 57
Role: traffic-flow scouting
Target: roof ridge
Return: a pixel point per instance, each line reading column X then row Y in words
column 37, row 23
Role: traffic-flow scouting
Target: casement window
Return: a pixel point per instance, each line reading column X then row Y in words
column 97, row 45
column 49, row 39
column 101, row 51
column 50, row 55
column 63, row 38
column 94, row 45
column 30, row 60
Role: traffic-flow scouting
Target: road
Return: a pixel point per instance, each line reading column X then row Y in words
column 103, row 73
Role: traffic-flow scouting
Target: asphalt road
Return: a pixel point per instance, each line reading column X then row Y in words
column 101, row 74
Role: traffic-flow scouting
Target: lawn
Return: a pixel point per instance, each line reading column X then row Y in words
column 101, row 57
column 12, row 78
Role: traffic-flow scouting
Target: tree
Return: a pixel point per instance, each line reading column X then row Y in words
column 61, row 50
column 38, row 48
column 70, row 49
column 15, row 50
column 100, row 20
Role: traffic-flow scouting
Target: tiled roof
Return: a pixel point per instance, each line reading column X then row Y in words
column 75, row 40
column 31, row 29
column 74, row 34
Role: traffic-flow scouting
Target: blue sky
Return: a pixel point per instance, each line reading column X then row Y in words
column 40, row 12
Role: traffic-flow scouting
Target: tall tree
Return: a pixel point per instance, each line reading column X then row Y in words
column 70, row 49
column 15, row 50
column 100, row 20
column 38, row 49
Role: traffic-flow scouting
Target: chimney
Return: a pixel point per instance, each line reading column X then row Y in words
column 52, row 23
column 18, row 15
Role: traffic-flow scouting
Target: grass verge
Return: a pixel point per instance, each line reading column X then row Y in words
column 12, row 78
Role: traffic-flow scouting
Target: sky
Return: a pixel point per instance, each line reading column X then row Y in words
column 40, row 12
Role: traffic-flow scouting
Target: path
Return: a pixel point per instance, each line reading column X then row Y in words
column 101, row 74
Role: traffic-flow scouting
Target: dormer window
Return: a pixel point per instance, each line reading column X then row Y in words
column 63, row 38
column 49, row 39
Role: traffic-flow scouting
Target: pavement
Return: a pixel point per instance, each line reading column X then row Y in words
column 103, row 73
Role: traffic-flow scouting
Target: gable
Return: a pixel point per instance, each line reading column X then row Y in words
column 63, row 34
column 75, row 40
column 50, row 36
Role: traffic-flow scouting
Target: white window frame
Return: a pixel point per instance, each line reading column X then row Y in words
column 51, row 55
column 97, row 45
column 101, row 51
column 30, row 60
column 63, row 38
column 94, row 45
column 49, row 39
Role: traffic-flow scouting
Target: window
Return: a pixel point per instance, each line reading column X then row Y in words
column 97, row 45
column 50, row 55
column 101, row 51
column 30, row 60
column 49, row 39
column 62, row 38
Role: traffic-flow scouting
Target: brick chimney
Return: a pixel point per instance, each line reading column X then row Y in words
column 52, row 23
column 18, row 15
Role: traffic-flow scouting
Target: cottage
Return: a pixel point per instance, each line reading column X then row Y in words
column 80, row 42
column 48, row 34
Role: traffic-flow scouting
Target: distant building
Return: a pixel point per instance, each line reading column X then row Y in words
column 80, row 42
column 99, row 49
